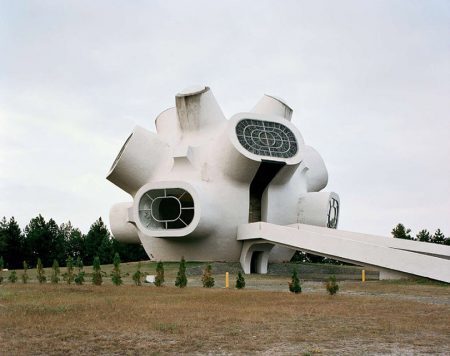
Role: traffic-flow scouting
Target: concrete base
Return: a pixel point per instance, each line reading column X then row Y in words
column 388, row 274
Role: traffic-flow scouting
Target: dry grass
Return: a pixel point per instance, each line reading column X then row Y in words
column 374, row 317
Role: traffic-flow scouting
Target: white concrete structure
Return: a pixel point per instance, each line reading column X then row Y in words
column 387, row 254
column 202, row 176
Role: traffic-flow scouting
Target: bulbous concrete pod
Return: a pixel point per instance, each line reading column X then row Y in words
column 201, row 176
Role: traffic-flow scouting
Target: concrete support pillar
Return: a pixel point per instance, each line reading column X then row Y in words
column 262, row 250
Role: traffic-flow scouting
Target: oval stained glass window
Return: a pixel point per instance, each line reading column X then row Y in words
column 266, row 138
column 166, row 209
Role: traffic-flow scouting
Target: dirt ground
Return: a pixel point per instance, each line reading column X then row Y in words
column 404, row 317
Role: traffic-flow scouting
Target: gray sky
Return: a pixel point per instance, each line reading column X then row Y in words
column 369, row 83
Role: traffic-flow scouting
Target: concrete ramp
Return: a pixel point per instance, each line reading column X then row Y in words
column 389, row 255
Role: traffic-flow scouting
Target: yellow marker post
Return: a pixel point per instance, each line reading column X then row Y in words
column 227, row 280
column 363, row 275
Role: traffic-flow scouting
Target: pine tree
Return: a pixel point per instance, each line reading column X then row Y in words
column 13, row 277
column 25, row 272
column 40, row 272
column 55, row 272
column 423, row 236
column 207, row 278
column 97, row 274
column 294, row 285
column 159, row 279
column 181, row 280
column 240, row 281
column 69, row 276
column 98, row 243
column 115, row 275
column 11, row 243
column 400, row 232
column 438, row 237
column 2, row 264
column 137, row 276
column 331, row 285
column 79, row 278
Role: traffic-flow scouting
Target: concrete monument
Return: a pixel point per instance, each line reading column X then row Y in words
column 245, row 189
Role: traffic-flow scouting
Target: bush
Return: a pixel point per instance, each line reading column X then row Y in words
column 294, row 285
column 332, row 286
column 97, row 274
column 181, row 280
column 40, row 272
column 25, row 272
column 12, row 277
column 159, row 279
column 207, row 278
column 240, row 281
column 79, row 278
column 68, row 276
column 55, row 272
column 2, row 264
column 115, row 275
column 137, row 276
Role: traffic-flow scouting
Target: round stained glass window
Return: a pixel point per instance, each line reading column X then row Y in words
column 266, row 138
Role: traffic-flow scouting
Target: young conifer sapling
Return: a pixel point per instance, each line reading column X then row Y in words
column 97, row 273
column 181, row 280
column 294, row 285
column 79, row 278
column 69, row 276
column 25, row 272
column 55, row 272
column 207, row 277
column 159, row 279
column 240, row 281
column 13, row 276
column 40, row 272
column 115, row 275
column 137, row 276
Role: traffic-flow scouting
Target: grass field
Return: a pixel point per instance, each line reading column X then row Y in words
column 364, row 318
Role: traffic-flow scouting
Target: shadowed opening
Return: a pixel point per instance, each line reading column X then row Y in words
column 266, row 172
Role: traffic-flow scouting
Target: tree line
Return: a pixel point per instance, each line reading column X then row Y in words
column 49, row 241
column 401, row 232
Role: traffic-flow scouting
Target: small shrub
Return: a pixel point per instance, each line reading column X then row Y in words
column 55, row 272
column 97, row 274
column 240, row 281
column 181, row 280
column 2, row 265
column 25, row 273
column 207, row 278
column 294, row 285
column 332, row 286
column 159, row 279
column 40, row 272
column 137, row 276
column 12, row 277
column 69, row 276
column 79, row 278
column 115, row 274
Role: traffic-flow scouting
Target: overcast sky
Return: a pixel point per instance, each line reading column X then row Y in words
column 369, row 83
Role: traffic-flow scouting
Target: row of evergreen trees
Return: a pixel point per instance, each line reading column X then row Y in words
column 400, row 232
column 49, row 241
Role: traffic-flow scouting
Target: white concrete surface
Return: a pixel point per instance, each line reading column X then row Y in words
column 349, row 247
